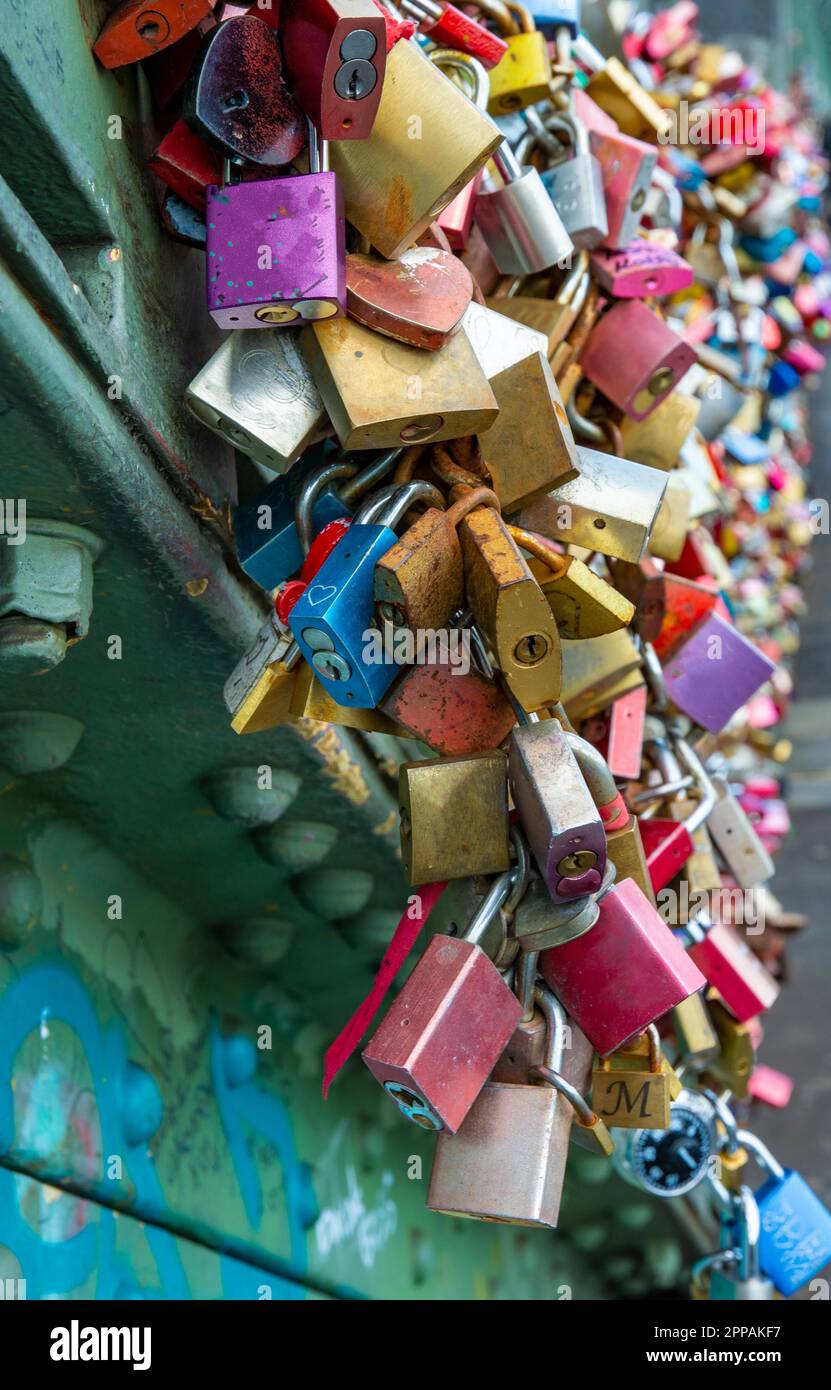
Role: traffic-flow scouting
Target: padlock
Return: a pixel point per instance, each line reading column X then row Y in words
column 624, row 848
column 420, row 298
column 622, row 975
column 451, row 710
column 626, row 167
column 287, row 256
column 523, row 76
column 167, row 71
column 529, row 1040
column 583, row 604
column 598, row 670
column 641, row 270
column 552, row 17
column 695, row 1036
column 394, row 186
column 553, row 317
column 629, row 1097
column 634, row 358
column 657, row 440
column 182, row 222
column 379, row 393
column 644, row 585
column 540, row 922
column 456, row 220
column 736, row 839
column 257, row 393
column 508, row 1161
column 269, row 544
column 556, row 810
column 714, row 672
column 575, row 186
column 746, row 987
column 795, row 1238
column 732, row 1067
column 474, row 788
column 510, row 609
column 686, row 603
column 622, row 97
column 419, row 583
column 741, row 1278
column 137, row 29
column 530, row 448
column 450, row 1023
column 674, row 519
column 610, row 507
column 257, row 693
column 523, row 229
column 619, row 733
column 237, row 100
column 497, row 341
column 335, row 53
column 450, row 28
column 186, row 164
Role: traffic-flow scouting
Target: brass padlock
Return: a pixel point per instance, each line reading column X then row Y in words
column 523, row 75
column 553, row 317
column 530, row 448
column 673, row 520
column 380, row 393
column 583, row 604
column 734, row 1064
column 510, row 609
column 695, row 1036
column 640, row 1048
column 258, row 692
column 398, row 180
column 419, row 583
column 630, row 1098
column 468, row 793
column 622, row 97
column 626, row 852
column 657, row 439
column 597, row 671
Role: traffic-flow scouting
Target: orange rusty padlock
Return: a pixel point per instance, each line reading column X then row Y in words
column 139, row 28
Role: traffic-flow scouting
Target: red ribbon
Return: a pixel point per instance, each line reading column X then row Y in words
column 412, row 920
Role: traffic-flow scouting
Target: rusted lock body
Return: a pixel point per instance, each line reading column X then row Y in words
column 510, row 609
column 139, row 28
column 451, row 710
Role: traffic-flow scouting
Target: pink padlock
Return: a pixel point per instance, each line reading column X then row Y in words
column 626, row 167
column 623, row 973
column 635, row 359
column 456, row 219
column 746, row 987
column 640, row 270
column 671, row 29
column 772, row 1086
column 803, row 356
column 592, row 116
column 774, row 819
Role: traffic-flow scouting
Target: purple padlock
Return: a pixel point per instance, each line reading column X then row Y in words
column 714, row 673
column 276, row 249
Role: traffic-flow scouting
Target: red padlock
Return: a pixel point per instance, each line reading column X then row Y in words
column 634, row 358
column 187, row 165
column 335, row 54
column 319, row 551
column 139, row 28
column 746, row 987
column 448, row 27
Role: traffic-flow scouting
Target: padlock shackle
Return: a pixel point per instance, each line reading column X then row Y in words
column 556, row 1025
column 369, row 475
column 477, row 497
column 495, row 9
column 470, row 67
column 318, row 151
column 578, row 1103
column 392, row 501
column 507, row 163
column 542, row 549
column 709, row 796
column 525, row 979
column 583, row 427
column 749, row 1222
column 761, row 1153
column 597, row 776
column 309, row 493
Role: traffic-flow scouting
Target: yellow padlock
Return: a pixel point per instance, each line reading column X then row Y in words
column 523, row 75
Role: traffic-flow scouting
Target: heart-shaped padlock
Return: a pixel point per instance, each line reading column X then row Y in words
column 236, row 97
column 419, row 299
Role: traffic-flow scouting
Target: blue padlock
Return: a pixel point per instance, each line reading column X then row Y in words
column 688, row 172
column 783, row 379
column 769, row 248
column 551, row 15
column 745, row 448
column 274, row 530
column 333, row 619
column 795, row 1239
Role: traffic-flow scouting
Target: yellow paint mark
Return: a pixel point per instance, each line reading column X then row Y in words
column 387, row 826
column 197, row 587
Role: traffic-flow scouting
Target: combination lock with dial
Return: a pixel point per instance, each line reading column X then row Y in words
column 670, row 1162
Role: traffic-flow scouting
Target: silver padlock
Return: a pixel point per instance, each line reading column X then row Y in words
column 257, row 393
column 518, row 220
column 741, row 1278
column 736, row 840
column 575, row 185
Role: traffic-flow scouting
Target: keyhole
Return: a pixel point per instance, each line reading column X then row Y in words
column 530, row 649
column 150, row 31
column 235, row 101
